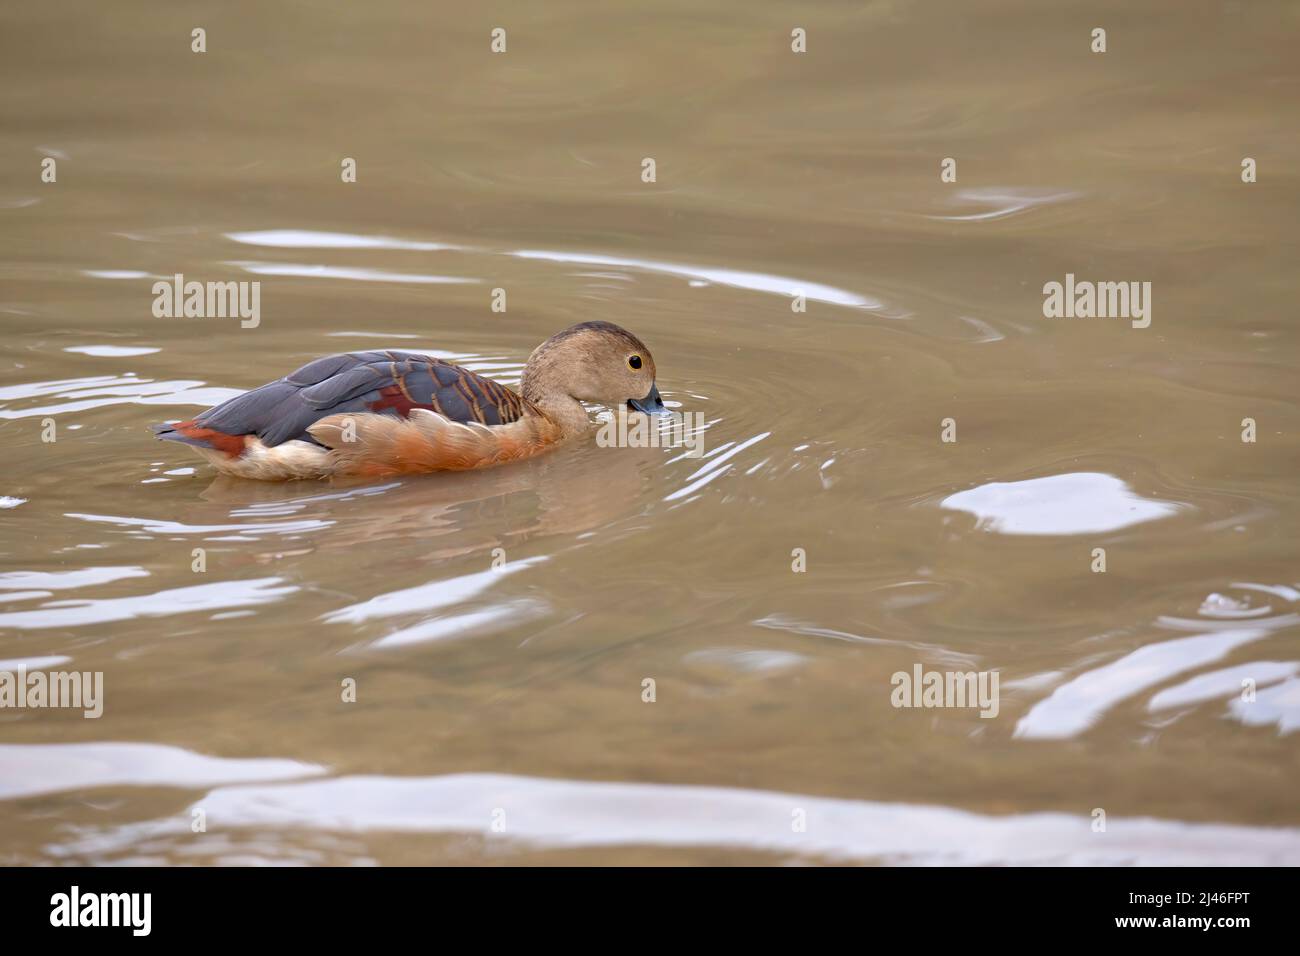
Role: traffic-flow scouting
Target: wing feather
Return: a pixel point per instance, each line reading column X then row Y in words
column 387, row 383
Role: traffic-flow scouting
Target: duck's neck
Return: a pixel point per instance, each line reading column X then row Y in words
column 565, row 411
column 546, row 386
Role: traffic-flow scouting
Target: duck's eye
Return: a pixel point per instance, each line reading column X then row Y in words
column 634, row 361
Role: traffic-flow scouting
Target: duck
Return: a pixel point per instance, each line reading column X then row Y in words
column 388, row 412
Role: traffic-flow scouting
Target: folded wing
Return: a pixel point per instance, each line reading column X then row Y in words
column 383, row 383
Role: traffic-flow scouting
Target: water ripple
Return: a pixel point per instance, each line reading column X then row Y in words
column 30, row 769
column 215, row 596
column 563, row 813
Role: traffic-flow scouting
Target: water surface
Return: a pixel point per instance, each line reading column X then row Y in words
column 500, row 627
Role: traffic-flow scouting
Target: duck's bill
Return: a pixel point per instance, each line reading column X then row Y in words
column 652, row 404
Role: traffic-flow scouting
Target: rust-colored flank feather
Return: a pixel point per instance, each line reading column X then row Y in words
column 427, row 441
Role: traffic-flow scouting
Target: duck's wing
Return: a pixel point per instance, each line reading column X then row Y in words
column 384, row 383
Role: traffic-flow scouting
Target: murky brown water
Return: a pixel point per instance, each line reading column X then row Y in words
column 499, row 713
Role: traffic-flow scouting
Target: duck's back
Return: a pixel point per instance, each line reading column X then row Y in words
column 387, row 383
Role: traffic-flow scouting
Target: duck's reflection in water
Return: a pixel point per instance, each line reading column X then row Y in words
column 575, row 490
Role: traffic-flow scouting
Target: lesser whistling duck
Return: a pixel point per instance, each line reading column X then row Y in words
column 388, row 412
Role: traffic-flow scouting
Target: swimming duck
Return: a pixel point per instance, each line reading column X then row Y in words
column 388, row 412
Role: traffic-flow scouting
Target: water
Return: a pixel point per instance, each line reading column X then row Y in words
column 499, row 712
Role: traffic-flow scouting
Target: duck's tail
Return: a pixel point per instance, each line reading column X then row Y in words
column 245, row 456
column 192, row 433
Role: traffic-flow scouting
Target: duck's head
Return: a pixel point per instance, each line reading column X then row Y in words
column 594, row 362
